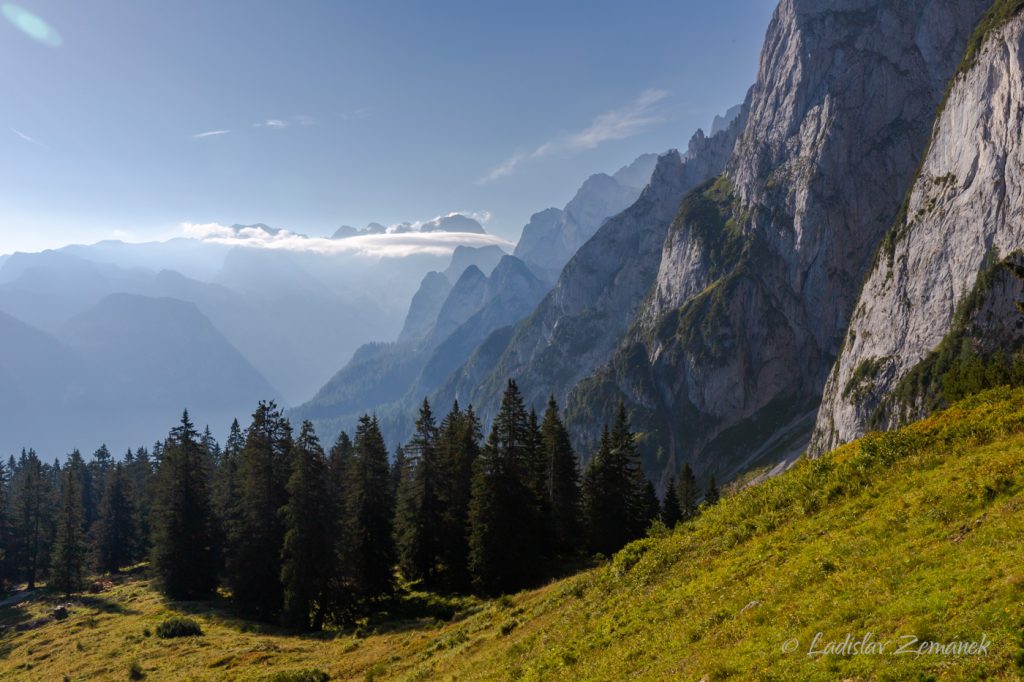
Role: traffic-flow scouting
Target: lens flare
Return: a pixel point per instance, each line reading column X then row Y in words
column 31, row 25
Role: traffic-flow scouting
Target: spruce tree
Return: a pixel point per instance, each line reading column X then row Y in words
column 671, row 513
column 688, row 492
column 67, row 574
column 636, row 494
column 140, row 474
column 115, row 530
column 561, row 483
column 712, row 495
column 399, row 465
column 308, row 557
column 6, row 535
column 182, row 518
column 608, row 499
column 502, row 548
column 92, row 486
column 226, row 490
column 651, row 504
column 419, row 511
column 369, row 550
column 340, row 601
column 459, row 446
column 31, row 505
column 255, row 541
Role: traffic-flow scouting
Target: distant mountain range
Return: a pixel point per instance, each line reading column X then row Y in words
column 121, row 320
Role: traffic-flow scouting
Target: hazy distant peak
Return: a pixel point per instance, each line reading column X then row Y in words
column 453, row 222
column 483, row 257
column 724, row 121
column 345, row 231
column 471, row 276
column 247, row 230
column 638, row 173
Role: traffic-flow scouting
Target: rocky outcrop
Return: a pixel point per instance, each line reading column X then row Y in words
column 425, row 305
column 723, row 122
column 728, row 357
column 484, row 257
column 553, row 236
column 464, row 300
column 935, row 277
column 511, row 293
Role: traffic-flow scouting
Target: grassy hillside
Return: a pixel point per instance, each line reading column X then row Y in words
column 915, row 533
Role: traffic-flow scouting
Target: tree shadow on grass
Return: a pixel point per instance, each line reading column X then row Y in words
column 103, row 605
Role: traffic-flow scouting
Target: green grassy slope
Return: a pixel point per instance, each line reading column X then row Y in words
column 915, row 533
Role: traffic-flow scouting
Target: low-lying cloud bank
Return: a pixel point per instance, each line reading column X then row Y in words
column 387, row 245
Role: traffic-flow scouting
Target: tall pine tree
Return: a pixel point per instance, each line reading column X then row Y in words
column 638, row 495
column 369, row 549
column 688, row 492
column 226, row 490
column 308, row 557
column 419, row 510
column 67, row 574
column 671, row 513
column 256, row 539
column 712, row 495
column 561, row 483
column 502, row 544
column 459, row 446
column 115, row 531
column 182, row 518
column 31, row 517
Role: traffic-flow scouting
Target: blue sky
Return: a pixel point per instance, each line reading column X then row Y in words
column 343, row 112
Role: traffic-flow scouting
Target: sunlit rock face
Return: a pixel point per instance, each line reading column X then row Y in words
column 966, row 206
column 726, row 363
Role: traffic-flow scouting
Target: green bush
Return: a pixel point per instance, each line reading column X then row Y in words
column 178, row 626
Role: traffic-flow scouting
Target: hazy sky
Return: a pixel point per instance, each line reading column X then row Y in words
column 128, row 119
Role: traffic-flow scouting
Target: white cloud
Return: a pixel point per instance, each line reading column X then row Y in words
column 506, row 167
column 206, row 231
column 618, row 124
column 621, row 123
column 390, row 245
column 28, row 138
column 210, row 133
column 271, row 123
column 355, row 114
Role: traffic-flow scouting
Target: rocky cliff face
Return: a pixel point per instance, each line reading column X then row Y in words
column 935, row 278
column 553, row 236
column 511, row 293
column 727, row 359
column 464, row 300
column 425, row 306
column 578, row 324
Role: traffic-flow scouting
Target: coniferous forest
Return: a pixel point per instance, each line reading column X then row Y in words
column 308, row 535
